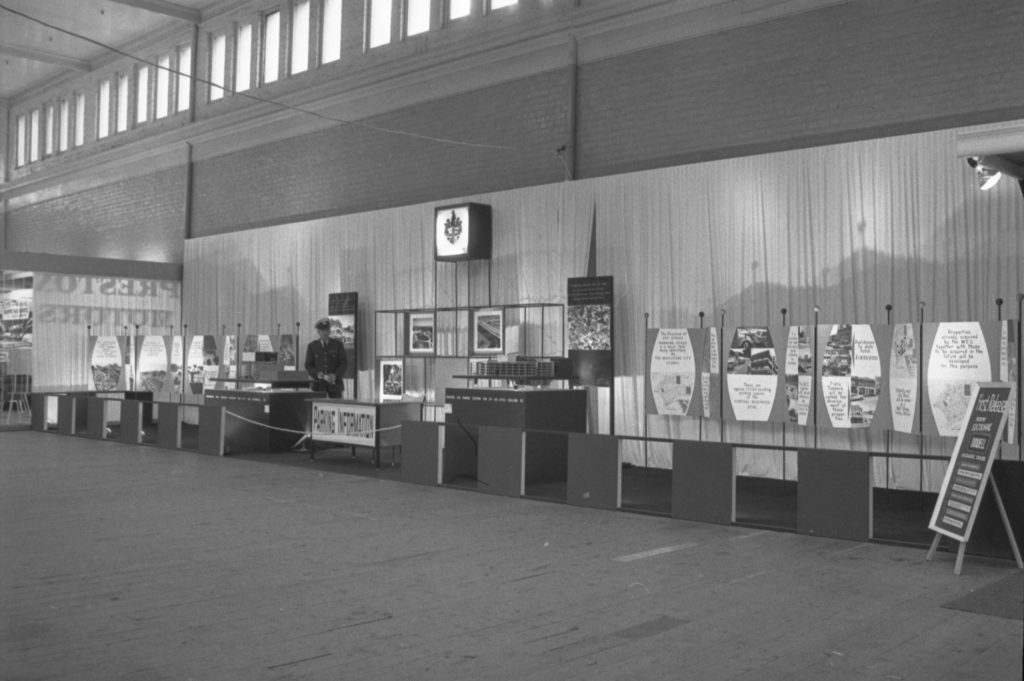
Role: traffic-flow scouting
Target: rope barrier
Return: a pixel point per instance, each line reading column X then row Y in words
column 362, row 433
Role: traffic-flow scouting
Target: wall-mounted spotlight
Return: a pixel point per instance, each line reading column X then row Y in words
column 987, row 177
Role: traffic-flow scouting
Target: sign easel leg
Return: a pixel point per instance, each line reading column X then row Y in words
column 1006, row 524
column 959, row 553
column 960, row 558
column 934, row 546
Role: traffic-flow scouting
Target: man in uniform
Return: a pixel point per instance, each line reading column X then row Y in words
column 326, row 360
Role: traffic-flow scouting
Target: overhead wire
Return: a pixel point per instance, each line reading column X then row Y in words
column 283, row 105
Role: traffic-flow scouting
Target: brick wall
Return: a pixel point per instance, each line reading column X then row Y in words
column 862, row 69
column 352, row 168
column 137, row 218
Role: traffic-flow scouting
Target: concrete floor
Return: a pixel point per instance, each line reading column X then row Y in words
column 142, row 564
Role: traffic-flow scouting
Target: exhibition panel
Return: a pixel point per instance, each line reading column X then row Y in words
column 422, row 452
column 703, row 482
column 834, row 494
column 594, row 471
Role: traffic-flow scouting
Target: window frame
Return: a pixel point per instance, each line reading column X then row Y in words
column 49, row 119
column 143, row 111
column 21, row 140
column 324, row 34
column 242, row 79
column 268, row 51
column 297, row 31
column 78, row 127
column 217, row 66
column 371, row 23
column 185, row 55
column 407, row 15
column 33, row 136
column 63, row 125
column 122, row 116
column 162, row 81
column 103, row 110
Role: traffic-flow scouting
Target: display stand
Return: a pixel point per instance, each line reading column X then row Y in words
column 263, row 420
column 704, row 482
column 421, row 454
column 834, row 494
column 594, row 476
column 970, row 469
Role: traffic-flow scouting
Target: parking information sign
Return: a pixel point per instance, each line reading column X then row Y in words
column 971, row 463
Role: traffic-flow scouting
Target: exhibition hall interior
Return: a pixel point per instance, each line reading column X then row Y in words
column 511, row 339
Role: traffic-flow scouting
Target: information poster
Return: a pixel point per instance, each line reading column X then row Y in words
column 969, row 467
column 711, row 374
column 202, row 362
column 1009, row 372
column 229, row 358
column 16, row 328
column 799, row 374
column 264, row 355
column 904, row 379
column 130, row 368
column 853, row 368
column 106, row 363
column 956, row 356
column 177, row 364
column 753, row 381
column 153, row 364
column 672, row 382
column 589, row 320
column 390, row 380
column 342, row 310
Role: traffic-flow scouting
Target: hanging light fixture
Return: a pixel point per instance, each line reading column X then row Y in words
column 987, row 177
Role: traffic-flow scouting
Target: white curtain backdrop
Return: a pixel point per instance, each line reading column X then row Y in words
column 70, row 308
column 846, row 228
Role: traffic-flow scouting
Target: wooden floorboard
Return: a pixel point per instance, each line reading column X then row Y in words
column 142, row 564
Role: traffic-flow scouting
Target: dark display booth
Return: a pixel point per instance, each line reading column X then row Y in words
column 504, row 440
column 286, row 411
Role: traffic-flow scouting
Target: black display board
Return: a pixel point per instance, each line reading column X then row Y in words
column 343, row 310
column 590, row 322
column 969, row 468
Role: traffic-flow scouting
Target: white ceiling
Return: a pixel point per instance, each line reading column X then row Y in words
column 32, row 53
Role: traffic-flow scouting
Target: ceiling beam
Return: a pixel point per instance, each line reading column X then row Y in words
column 164, row 7
column 44, row 56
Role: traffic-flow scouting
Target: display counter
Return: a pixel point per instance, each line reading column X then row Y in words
column 545, row 414
column 359, row 424
column 252, row 410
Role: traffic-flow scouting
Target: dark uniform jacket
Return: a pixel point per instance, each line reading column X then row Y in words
column 326, row 360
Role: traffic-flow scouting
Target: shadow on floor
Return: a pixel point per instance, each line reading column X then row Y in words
column 334, row 460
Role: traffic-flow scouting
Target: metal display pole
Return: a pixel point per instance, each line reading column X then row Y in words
column 185, row 378
column 888, row 432
column 721, row 374
column 787, row 410
column 1020, row 355
column 135, row 359
column 920, row 395
column 646, row 378
column 700, row 417
column 816, row 378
